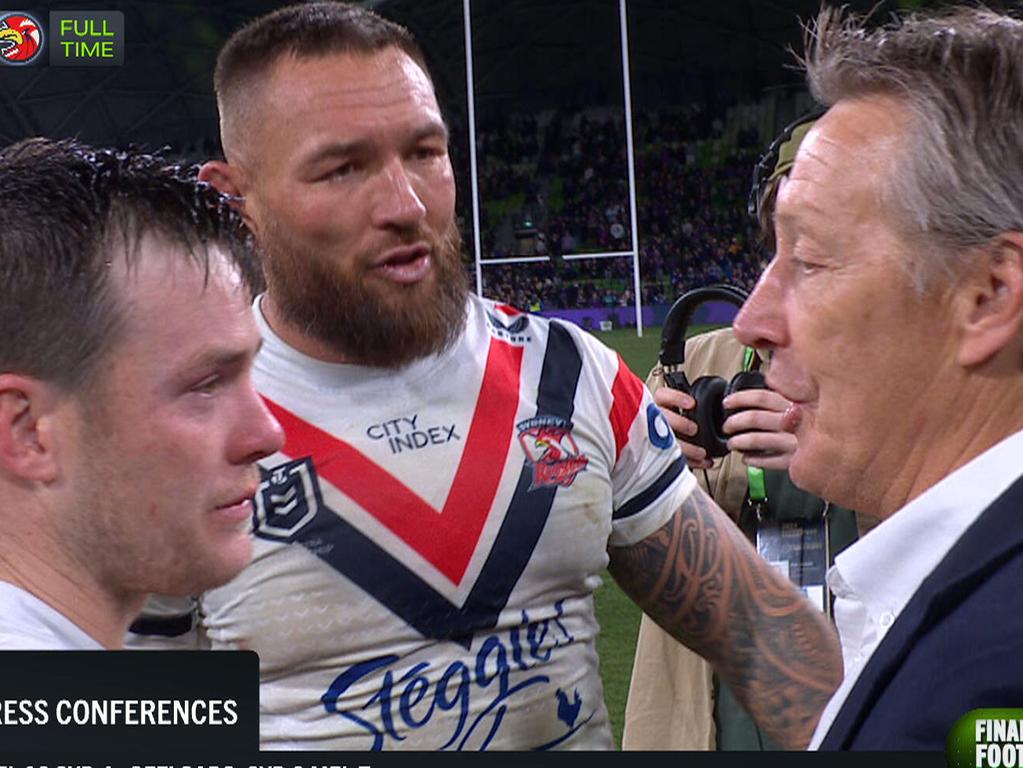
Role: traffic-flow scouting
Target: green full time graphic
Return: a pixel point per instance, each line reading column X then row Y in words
column 91, row 39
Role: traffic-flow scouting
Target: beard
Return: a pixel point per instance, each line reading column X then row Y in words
column 368, row 321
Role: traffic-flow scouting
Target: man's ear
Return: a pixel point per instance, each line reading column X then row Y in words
column 993, row 293
column 28, row 420
column 228, row 180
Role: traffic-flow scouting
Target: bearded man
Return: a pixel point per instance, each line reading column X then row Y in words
column 456, row 474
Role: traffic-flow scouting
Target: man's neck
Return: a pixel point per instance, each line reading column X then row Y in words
column 76, row 595
column 980, row 422
column 294, row 337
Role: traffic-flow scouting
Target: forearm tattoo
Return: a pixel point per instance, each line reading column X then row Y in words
column 701, row 580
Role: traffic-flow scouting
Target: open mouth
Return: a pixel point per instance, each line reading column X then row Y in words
column 407, row 264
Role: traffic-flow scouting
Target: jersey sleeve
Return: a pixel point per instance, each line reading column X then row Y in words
column 649, row 479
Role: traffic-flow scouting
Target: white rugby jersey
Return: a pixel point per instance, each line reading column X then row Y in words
column 428, row 540
column 27, row 623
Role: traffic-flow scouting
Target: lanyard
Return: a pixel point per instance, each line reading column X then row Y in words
column 754, row 475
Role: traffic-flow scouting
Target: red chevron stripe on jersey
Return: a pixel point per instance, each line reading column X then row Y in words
column 448, row 539
column 627, row 392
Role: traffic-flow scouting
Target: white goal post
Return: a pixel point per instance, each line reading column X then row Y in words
column 474, row 177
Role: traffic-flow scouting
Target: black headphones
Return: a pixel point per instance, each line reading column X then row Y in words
column 767, row 167
column 708, row 391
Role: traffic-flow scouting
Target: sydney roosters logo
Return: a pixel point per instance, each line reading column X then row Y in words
column 551, row 450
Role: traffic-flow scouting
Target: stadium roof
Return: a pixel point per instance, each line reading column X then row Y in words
column 530, row 54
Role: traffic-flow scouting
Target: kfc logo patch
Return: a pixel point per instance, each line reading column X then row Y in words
column 551, row 450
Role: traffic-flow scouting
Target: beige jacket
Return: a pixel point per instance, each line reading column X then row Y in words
column 671, row 695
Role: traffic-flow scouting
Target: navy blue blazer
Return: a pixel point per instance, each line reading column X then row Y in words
column 957, row 645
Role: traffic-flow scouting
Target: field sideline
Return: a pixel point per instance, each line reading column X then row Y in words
column 619, row 616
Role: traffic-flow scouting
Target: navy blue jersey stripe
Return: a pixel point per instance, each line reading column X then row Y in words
column 651, row 494
column 528, row 510
column 560, row 375
column 393, row 584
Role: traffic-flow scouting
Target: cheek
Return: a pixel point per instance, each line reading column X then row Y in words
column 852, row 409
column 868, row 387
column 840, row 319
column 439, row 199
column 307, row 213
column 178, row 460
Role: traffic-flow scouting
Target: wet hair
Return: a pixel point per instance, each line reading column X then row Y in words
column 954, row 181
column 302, row 31
column 70, row 212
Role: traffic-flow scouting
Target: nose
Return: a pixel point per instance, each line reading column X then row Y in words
column 259, row 434
column 398, row 204
column 761, row 321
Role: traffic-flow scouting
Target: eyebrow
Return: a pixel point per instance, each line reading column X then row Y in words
column 223, row 357
column 338, row 149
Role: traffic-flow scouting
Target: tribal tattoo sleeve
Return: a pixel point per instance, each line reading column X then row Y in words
column 702, row 582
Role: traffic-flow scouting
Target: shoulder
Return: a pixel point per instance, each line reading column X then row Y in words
column 953, row 649
column 715, row 353
column 937, row 682
column 512, row 324
column 24, row 641
column 973, row 631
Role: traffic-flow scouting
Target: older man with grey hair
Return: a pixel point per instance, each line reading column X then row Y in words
column 894, row 313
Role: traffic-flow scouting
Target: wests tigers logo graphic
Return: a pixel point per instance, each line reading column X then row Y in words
column 21, row 38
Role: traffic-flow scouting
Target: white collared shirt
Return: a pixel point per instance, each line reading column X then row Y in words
column 874, row 579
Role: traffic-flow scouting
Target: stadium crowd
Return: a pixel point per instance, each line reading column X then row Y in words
column 561, row 189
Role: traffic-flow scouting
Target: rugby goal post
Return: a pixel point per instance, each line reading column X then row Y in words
column 630, row 159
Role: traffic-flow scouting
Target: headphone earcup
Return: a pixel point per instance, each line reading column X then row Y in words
column 708, row 391
column 740, row 381
column 746, row 380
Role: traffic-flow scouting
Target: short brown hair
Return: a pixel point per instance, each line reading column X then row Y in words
column 69, row 210
column 305, row 30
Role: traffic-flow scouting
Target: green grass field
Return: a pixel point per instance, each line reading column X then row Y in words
column 617, row 614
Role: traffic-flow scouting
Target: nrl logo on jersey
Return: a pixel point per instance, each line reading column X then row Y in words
column 551, row 450
column 287, row 500
column 514, row 332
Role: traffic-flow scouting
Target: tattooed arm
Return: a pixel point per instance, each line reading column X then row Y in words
column 701, row 580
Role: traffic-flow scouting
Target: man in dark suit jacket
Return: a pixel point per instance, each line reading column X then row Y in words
column 893, row 311
column 955, row 647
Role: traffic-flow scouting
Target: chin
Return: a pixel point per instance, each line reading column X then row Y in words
column 803, row 474
column 221, row 563
column 234, row 559
column 398, row 294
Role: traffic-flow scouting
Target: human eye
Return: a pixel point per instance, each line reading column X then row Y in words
column 806, row 267
column 334, row 168
column 808, row 258
column 426, row 154
column 429, row 150
column 340, row 171
column 208, row 385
